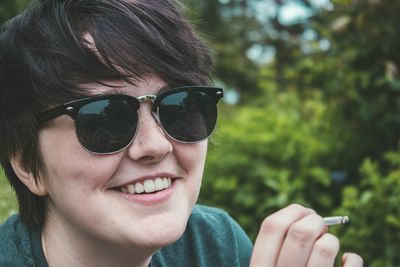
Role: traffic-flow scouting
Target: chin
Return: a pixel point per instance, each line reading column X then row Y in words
column 162, row 229
column 159, row 239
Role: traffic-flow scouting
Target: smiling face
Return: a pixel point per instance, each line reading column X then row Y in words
column 88, row 196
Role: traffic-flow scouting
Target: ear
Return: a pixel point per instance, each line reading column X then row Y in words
column 37, row 186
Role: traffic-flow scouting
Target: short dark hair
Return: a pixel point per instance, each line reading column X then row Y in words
column 44, row 59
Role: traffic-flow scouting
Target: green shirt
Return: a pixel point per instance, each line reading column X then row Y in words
column 212, row 238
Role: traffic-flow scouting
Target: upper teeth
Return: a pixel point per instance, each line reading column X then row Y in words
column 147, row 186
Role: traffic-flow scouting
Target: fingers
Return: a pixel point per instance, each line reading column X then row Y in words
column 300, row 240
column 352, row 260
column 297, row 236
column 324, row 251
column 270, row 239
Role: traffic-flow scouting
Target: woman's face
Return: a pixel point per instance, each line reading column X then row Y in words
column 87, row 193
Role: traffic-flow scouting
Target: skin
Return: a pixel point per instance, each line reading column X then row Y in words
column 88, row 223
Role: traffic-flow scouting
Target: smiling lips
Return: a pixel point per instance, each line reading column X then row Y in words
column 147, row 186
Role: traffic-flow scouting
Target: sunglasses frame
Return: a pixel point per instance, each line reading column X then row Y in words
column 72, row 108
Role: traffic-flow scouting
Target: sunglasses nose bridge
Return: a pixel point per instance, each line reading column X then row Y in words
column 150, row 98
column 143, row 98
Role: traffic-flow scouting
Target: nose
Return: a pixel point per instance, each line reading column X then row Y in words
column 150, row 144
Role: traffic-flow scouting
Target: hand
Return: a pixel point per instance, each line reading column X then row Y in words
column 297, row 237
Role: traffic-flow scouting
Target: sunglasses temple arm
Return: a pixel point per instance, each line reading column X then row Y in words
column 54, row 113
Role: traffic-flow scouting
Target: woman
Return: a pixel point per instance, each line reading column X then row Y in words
column 106, row 110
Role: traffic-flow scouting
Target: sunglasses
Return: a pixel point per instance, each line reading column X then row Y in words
column 107, row 124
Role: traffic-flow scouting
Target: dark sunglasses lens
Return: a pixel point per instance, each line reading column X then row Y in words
column 188, row 116
column 107, row 125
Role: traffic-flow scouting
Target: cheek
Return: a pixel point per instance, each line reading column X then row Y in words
column 191, row 158
column 65, row 164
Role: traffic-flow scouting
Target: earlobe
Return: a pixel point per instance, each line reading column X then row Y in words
column 36, row 186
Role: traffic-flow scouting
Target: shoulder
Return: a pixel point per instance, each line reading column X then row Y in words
column 15, row 244
column 211, row 238
column 9, row 231
column 216, row 224
column 213, row 220
column 205, row 213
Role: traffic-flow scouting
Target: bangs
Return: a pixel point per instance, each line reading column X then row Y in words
column 133, row 40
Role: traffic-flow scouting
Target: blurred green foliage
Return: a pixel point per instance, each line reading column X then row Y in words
column 7, row 198
column 9, row 8
column 266, row 156
column 317, row 124
column 374, row 209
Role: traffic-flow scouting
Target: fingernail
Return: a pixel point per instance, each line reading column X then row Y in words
column 344, row 257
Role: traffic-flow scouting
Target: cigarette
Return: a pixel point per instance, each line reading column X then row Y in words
column 336, row 220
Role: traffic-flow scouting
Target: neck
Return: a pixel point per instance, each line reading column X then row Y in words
column 63, row 248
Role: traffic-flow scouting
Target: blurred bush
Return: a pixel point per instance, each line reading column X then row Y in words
column 7, row 198
column 374, row 209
